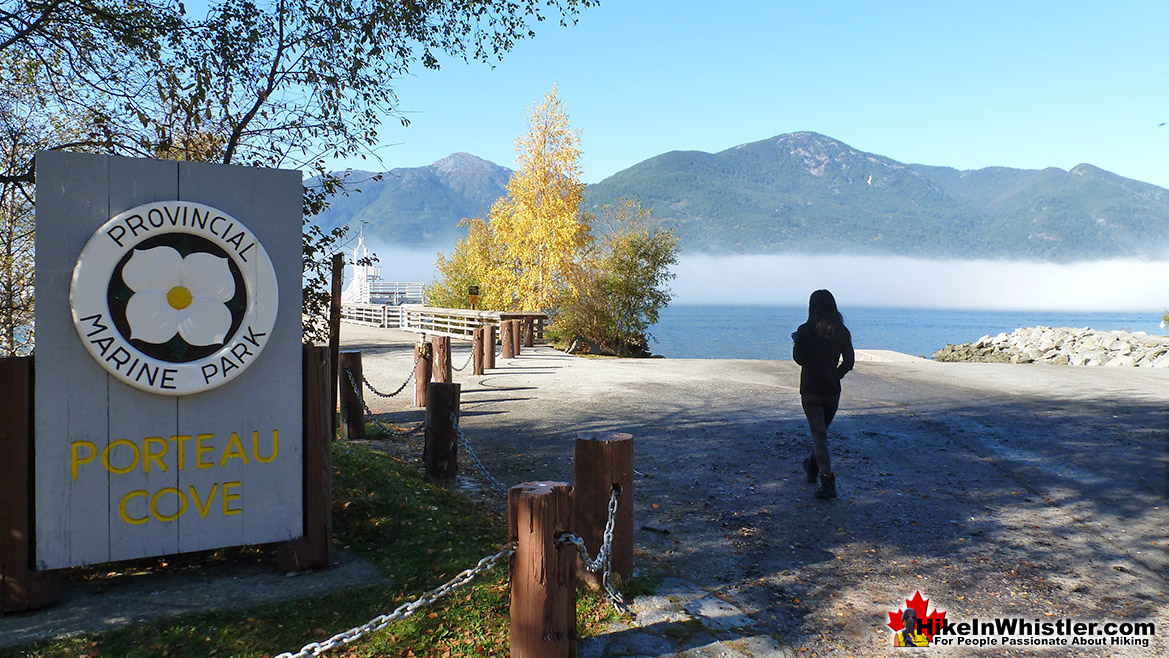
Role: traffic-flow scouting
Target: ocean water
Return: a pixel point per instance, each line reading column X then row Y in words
column 764, row 332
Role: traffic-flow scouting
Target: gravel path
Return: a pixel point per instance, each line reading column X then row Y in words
column 995, row 490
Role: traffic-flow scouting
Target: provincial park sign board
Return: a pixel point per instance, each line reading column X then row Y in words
column 168, row 406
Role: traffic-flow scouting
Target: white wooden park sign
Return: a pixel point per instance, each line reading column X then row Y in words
column 168, row 409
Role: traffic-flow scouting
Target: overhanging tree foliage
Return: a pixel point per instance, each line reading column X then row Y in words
column 286, row 83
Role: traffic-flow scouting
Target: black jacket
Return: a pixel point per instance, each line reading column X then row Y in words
column 825, row 362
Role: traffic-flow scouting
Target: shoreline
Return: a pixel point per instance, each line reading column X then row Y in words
column 762, row 332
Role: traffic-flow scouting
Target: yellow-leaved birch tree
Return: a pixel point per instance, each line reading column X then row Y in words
column 529, row 252
column 539, row 228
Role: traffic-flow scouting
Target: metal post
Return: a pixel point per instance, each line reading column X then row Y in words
column 335, row 333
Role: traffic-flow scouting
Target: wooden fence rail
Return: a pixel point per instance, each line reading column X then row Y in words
column 453, row 322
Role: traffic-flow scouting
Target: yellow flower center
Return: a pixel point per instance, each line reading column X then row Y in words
column 179, row 298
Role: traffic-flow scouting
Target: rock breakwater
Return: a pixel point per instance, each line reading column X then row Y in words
column 1064, row 346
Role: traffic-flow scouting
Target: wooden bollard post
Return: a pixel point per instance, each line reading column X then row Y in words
column 529, row 332
column 335, row 336
column 422, row 371
column 314, row 550
column 20, row 588
column 440, row 348
column 477, row 350
column 441, row 452
column 516, row 339
column 352, row 413
column 601, row 462
column 506, row 327
column 488, row 347
column 543, row 572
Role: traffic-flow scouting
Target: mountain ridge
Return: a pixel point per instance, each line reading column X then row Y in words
column 804, row 192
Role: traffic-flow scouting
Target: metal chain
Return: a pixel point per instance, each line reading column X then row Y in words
column 603, row 561
column 401, row 388
column 473, row 457
column 370, row 415
column 469, row 359
column 405, row 610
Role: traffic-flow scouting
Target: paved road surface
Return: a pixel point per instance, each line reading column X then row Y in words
column 996, row 490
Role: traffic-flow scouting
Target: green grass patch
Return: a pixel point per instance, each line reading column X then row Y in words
column 419, row 534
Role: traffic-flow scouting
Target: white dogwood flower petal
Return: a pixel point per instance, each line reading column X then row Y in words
column 206, row 275
column 177, row 295
column 158, row 268
column 205, row 322
column 151, row 317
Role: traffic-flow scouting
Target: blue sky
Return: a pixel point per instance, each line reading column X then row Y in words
column 961, row 84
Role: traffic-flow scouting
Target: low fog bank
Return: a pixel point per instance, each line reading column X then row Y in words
column 1115, row 285
column 770, row 279
column 399, row 264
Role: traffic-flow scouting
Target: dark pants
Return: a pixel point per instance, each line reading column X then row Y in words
column 820, row 409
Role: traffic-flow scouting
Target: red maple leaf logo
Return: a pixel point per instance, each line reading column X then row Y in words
column 931, row 622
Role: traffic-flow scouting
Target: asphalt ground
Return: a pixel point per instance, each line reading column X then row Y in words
column 996, row 490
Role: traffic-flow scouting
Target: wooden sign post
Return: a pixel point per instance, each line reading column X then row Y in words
column 20, row 588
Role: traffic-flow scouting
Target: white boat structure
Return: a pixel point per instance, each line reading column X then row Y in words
column 366, row 286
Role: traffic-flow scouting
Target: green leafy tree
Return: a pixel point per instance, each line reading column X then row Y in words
column 620, row 295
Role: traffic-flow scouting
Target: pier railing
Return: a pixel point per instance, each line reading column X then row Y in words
column 453, row 322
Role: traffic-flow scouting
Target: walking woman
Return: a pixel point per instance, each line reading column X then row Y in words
column 823, row 347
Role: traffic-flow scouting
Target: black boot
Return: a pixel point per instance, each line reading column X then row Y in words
column 811, row 468
column 827, row 487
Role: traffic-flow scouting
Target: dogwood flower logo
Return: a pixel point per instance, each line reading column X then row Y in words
column 177, row 295
column 174, row 297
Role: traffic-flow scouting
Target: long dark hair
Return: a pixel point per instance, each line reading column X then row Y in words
column 824, row 319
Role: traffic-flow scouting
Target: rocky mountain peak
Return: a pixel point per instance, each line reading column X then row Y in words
column 461, row 162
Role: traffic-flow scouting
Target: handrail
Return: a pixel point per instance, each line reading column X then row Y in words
column 453, row 322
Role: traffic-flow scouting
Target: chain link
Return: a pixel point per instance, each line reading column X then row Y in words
column 474, row 457
column 405, row 610
column 603, row 561
column 469, row 359
column 370, row 415
column 401, row 388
